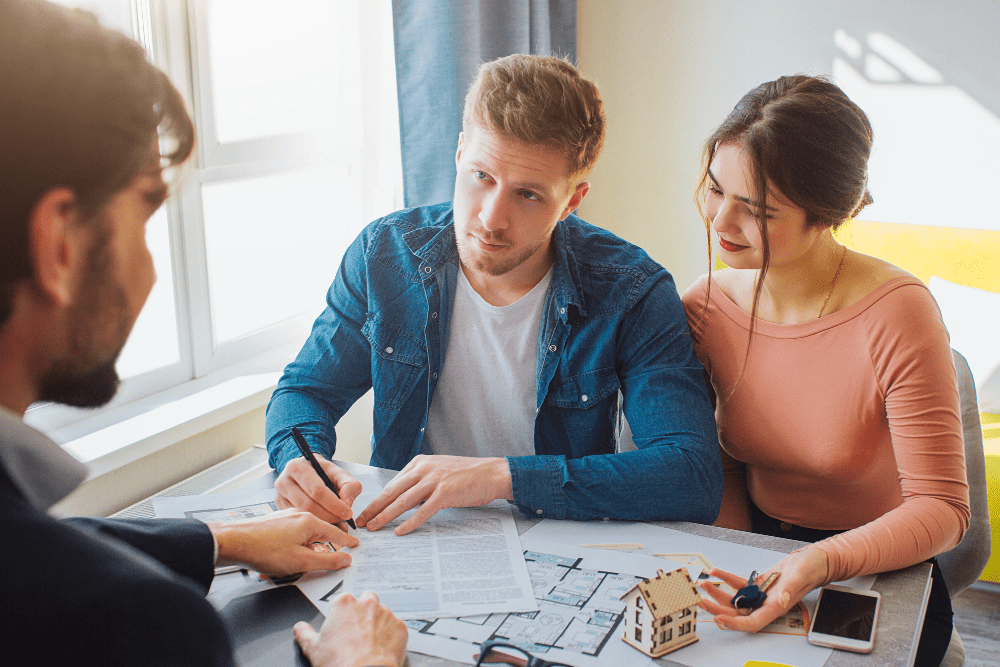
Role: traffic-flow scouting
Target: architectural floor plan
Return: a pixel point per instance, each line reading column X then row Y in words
column 579, row 609
column 578, row 617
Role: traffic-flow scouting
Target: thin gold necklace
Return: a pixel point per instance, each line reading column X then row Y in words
column 833, row 282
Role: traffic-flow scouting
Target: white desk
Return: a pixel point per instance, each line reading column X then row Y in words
column 904, row 592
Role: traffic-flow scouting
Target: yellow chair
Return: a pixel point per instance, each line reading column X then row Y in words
column 991, row 446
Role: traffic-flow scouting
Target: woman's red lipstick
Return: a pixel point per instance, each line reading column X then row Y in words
column 731, row 247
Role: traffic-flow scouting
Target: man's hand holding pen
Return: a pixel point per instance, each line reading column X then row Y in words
column 299, row 486
column 310, row 456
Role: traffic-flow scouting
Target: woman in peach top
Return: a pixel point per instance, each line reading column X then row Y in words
column 837, row 402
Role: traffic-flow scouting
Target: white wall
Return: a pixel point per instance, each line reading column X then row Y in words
column 670, row 70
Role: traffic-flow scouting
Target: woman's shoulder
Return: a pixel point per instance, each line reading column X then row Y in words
column 726, row 288
column 704, row 287
column 862, row 276
column 893, row 307
column 724, row 278
column 737, row 285
column 696, row 291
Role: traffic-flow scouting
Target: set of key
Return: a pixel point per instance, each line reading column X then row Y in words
column 752, row 596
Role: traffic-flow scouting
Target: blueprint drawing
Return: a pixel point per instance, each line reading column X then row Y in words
column 578, row 617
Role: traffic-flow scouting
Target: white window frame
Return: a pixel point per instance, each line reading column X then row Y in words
column 175, row 33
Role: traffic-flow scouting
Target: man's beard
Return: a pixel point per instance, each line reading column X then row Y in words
column 488, row 264
column 90, row 389
column 80, row 379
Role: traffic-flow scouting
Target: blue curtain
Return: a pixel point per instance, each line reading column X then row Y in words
column 439, row 47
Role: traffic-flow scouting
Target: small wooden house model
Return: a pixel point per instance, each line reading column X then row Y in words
column 660, row 613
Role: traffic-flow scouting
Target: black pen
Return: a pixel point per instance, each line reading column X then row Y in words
column 308, row 453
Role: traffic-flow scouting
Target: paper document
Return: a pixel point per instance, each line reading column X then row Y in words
column 463, row 561
column 225, row 507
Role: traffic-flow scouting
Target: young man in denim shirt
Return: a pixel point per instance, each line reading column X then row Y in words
column 504, row 337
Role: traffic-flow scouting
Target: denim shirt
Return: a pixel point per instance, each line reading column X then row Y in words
column 613, row 338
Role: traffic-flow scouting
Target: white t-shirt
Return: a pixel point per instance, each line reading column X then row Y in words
column 484, row 404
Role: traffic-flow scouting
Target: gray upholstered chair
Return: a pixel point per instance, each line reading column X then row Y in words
column 963, row 564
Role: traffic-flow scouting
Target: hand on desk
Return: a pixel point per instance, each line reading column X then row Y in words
column 281, row 543
column 438, row 482
column 801, row 572
column 357, row 633
column 299, row 486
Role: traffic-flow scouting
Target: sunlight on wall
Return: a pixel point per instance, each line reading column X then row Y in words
column 934, row 144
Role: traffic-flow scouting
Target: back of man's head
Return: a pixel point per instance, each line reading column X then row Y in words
column 80, row 107
column 539, row 100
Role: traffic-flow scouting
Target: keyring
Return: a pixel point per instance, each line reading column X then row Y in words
column 751, row 596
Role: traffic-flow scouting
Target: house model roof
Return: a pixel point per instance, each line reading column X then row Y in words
column 667, row 592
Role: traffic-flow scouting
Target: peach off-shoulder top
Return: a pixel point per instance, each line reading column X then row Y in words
column 850, row 421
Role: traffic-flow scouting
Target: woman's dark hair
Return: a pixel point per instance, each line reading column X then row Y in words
column 804, row 136
column 81, row 107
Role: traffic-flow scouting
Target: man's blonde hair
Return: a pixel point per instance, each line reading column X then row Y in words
column 539, row 100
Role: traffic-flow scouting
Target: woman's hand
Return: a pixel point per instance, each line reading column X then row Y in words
column 800, row 572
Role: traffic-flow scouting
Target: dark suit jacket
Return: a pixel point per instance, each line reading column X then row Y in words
column 106, row 591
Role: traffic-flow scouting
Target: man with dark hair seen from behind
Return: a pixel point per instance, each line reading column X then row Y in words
column 82, row 116
column 504, row 338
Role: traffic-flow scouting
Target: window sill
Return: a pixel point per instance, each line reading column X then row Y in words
column 171, row 418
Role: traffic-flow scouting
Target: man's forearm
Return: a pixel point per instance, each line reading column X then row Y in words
column 292, row 407
column 643, row 485
column 185, row 546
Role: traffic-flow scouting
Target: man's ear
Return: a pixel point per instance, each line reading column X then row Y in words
column 574, row 201
column 458, row 151
column 53, row 246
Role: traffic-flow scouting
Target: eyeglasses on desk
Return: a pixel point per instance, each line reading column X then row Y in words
column 493, row 652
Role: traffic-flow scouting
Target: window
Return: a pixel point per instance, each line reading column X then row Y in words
column 638, row 635
column 638, row 618
column 295, row 109
column 638, row 602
